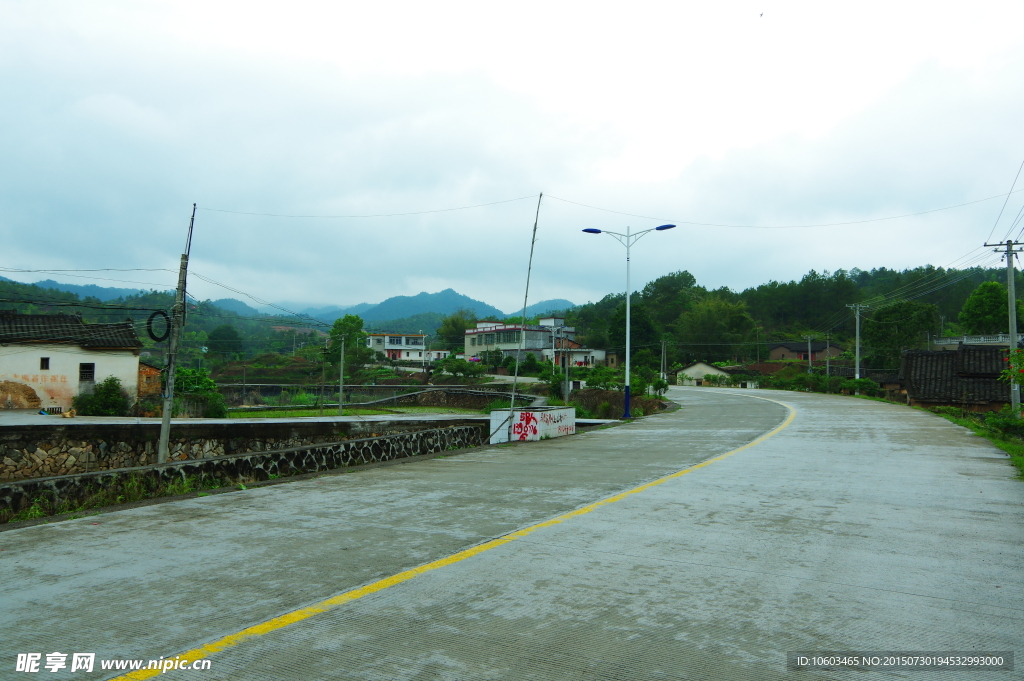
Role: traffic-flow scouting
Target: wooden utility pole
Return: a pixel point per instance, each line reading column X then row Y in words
column 1011, row 290
column 857, row 307
column 177, row 324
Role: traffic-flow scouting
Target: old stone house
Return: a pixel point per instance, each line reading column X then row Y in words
column 47, row 360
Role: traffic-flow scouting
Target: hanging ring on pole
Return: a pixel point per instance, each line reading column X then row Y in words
column 149, row 326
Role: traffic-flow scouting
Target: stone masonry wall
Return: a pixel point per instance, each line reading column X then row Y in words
column 67, row 449
column 71, row 491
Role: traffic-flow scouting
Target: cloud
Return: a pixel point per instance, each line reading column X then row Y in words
column 120, row 116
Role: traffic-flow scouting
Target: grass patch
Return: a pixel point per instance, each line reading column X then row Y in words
column 308, row 413
column 129, row 489
column 988, row 427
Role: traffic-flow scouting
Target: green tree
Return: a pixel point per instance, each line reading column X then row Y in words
column 897, row 327
column 197, row 386
column 985, row 310
column 108, row 398
column 224, row 340
column 716, row 330
column 452, row 330
column 641, row 329
column 357, row 353
column 669, row 296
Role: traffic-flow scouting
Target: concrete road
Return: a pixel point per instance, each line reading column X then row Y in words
column 854, row 525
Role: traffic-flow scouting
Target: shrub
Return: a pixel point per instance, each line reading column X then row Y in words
column 107, row 399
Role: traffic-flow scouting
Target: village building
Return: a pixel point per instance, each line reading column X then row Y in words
column 798, row 350
column 399, row 346
column 569, row 351
column 48, row 360
column 697, row 374
column 150, row 384
column 967, row 377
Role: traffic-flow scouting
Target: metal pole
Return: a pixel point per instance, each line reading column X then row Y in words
column 341, row 379
column 828, row 354
column 626, row 413
column 810, row 361
column 1011, row 290
column 856, row 370
column 664, row 372
column 177, row 321
column 323, row 375
column 567, row 358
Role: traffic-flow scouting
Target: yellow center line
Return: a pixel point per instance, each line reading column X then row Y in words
column 301, row 614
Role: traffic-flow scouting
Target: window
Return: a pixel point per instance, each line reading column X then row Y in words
column 87, row 372
column 395, row 340
column 414, row 340
column 44, row 363
column 380, row 341
column 472, row 340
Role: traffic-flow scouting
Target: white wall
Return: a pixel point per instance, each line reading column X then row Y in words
column 533, row 425
column 57, row 386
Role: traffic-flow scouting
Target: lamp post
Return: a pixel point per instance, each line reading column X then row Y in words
column 627, row 240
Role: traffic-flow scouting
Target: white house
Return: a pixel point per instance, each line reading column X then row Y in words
column 694, row 375
column 409, row 346
column 47, row 360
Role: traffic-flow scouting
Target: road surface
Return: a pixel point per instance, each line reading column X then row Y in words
column 847, row 525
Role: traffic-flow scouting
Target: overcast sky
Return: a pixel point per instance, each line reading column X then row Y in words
column 117, row 116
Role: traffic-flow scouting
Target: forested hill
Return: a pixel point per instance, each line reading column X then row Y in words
column 256, row 332
column 722, row 324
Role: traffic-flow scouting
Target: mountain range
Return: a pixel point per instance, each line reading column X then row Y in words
column 422, row 307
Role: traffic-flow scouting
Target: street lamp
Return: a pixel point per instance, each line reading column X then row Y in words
column 627, row 240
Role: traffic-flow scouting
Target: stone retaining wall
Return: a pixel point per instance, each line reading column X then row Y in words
column 67, row 448
column 70, row 492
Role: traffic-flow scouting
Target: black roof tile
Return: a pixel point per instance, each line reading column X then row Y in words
column 966, row 374
column 66, row 328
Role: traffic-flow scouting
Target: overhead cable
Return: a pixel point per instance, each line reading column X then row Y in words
column 825, row 224
column 371, row 215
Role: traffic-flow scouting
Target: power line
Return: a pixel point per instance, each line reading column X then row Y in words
column 372, row 215
column 1004, row 203
column 826, row 224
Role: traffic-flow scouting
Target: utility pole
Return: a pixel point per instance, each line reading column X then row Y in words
column 828, row 354
column 1011, row 291
column 857, row 307
column 664, row 369
column 177, row 323
column 567, row 356
column 341, row 379
column 810, row 360
column 323, row 375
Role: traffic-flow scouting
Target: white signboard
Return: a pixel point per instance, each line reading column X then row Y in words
column 533, row 424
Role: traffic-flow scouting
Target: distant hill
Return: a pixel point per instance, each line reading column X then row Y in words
column 426, row 322
column 332, row 312
column 237, row 306
column 544, row 307
column 103, row 293
column 444, row 302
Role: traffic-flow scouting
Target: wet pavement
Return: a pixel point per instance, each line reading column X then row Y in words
column 855, row 525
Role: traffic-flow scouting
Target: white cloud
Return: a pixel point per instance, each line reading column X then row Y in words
column 121, row 115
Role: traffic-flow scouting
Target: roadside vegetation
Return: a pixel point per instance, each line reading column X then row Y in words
column 132, row 488
column 998, row 427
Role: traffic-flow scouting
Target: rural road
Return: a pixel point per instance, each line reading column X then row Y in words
column 847, row 525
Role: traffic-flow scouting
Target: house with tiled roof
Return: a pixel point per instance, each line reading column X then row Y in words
column 47, row 360
column 967, row 377
column 798, row 350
